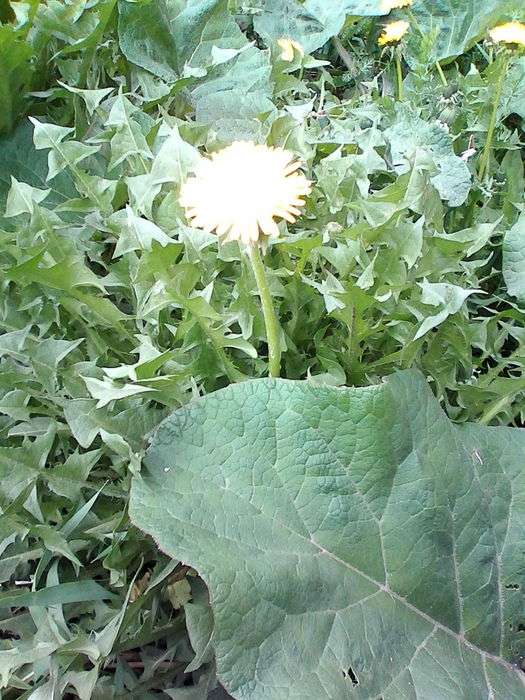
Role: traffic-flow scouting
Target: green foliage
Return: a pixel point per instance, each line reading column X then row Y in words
column 311, row 23
column 458, row 24
column 15, row 75
column 344, row 526
column 114, row 312
column 514, row 259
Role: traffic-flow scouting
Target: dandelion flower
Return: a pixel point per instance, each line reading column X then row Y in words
column 240, row 190
column 509, row 33
column 389, row 5
column 393, row 32
column 288, row 46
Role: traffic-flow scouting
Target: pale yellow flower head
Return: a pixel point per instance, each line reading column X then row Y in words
column 242, row 189
column 389, row 5
column 509, row 33
column 393, row 32
column 288, row 47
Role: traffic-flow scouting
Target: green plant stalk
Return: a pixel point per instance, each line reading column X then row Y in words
column 270, row 317
column 485, row 156
column 399, row 75
column 442, row 76
column 496, row 408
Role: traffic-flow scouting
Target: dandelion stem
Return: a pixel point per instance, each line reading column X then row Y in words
column 399, row 75
column 442, row 76
column 485, row 156
column 270, row 318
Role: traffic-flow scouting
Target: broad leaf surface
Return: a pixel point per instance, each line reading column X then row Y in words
column 146, row 38
column 514, row 259
column 15, row 75
column 514, row 89
column 312, row 23
column 201, row 42
column 355, row 542
column 173, row 36
column 458, row 24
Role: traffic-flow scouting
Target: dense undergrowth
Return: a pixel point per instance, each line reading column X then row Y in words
column 114, row 311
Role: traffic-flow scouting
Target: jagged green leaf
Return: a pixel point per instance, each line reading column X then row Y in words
column 514, row 259
column 16, row 73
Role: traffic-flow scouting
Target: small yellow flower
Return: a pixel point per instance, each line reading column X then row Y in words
column 288, row 46
column 509, row 33
column 393, row 32
column 241, row 189
column 389, row 5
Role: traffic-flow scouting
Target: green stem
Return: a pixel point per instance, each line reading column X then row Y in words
column 399, row 75
column 485, row 157
column 442, row 76
column 270, row 318
column 495, row 409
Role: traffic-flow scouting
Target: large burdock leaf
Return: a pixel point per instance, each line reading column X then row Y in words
column 458, row 24
column 356, row 544
column 310, row 22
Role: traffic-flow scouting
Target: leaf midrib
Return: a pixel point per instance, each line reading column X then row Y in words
column 461, row 639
